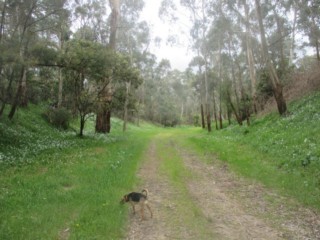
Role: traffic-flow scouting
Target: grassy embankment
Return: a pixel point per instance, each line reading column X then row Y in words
column 281, row 152
column 54, row 185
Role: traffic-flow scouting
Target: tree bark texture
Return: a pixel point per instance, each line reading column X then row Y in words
column 202, row 117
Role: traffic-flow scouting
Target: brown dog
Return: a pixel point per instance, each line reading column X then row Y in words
column 135, row 198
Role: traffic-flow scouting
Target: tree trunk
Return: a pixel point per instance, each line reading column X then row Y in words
column 229, row 112
column 292, row 44
column 204, row 47
column 2, row 22
column 233, row 109
column 202, row 117
column 125, row 110
column 281, row 103
column 207, row 96
column 115, row 13
column 215, row 111
column 250, row 59
column 102, row 124
column 220, row 84
column 108, row 120
column 105, row 109
column 17, row 98
column 234, row 82
column 7, row 93
column 280, row 28
column 60, row 88
column 182, row 112
column 316, row 36
column 24, row 96
column 275, row 82
column 82, row 122
column 208, row 118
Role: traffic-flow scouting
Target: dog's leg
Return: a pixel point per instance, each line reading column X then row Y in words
column 133, row 209
column 142, row 213
column 149, row 209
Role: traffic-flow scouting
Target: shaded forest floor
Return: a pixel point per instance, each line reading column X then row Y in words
column 196, row 198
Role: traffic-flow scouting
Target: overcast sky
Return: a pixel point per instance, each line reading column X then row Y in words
column 178, row 55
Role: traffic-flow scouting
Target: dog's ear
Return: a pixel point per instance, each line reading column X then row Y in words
column 125, row 198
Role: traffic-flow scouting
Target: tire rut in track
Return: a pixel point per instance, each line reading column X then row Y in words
column 233, row 208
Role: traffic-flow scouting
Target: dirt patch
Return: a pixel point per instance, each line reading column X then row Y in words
column 230, row 207
column 64, row 234
column 230, row 218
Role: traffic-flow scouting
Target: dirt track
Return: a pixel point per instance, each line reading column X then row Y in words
column 224, row 205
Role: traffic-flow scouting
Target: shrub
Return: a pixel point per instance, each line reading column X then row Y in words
column 196, row 120
column 59, row 117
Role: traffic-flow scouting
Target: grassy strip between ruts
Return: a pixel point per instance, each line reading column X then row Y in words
column 71, row 192
column 172, row 166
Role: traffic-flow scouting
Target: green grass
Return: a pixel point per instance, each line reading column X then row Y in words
column 281, row 152
column 54, row 184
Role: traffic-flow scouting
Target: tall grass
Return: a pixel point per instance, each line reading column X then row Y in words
column 54, row 185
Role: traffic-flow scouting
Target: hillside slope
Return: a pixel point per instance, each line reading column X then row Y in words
column 282, row 152
column 55, row 185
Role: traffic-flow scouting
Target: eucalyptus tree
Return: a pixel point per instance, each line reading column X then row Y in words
column 103, row 120
column 94, row 26
column 198, row 13
column 130, row 12
column 89, row 67
column 279, row 28
column 21, row 21
column 133, row 40
column 148, row 91
column 218, row 38
column 244, row 17
column 147, row 66
column 63, row 32
column 274, row 78
column 198, row 84
column 192, row 95
column 23, row 25
column 160, row 100
column 179, row 92
column 248, row 9
column 294, row 7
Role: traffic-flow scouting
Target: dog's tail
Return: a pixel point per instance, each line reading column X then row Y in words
column 145, row 191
